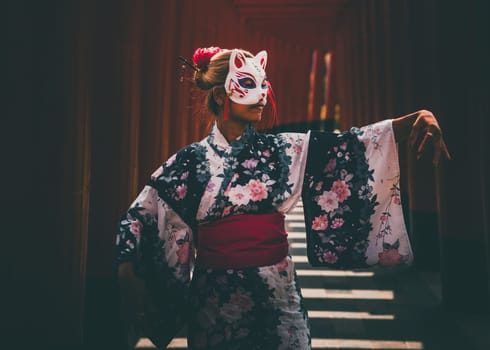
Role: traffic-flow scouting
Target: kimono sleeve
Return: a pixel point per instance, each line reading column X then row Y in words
column 159, row 243
column 295, row 155
column 351, row 197
column 151, row 233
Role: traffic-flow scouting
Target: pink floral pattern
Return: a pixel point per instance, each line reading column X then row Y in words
column 258, row 190
column 341, row 189
column 328, row 201
column 320, row 223
column 256, row 173
column 180, row 192
column 330, row 257
column 135, row 227
column 255, row 180
column 384, row 227
column 338, row 223
column 250, row 163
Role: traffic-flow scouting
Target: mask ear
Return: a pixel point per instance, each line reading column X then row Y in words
column 237, row 60
column 261, row 59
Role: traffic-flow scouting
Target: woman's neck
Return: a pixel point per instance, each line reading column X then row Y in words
column 231, row 129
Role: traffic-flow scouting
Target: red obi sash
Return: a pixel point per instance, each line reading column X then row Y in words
column 241, row 241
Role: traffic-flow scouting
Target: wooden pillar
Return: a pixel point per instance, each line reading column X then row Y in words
column 47, row 133
column 463, row 182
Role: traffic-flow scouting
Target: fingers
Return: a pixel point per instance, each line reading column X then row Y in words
column 440, row 148
column 425, row 130
column 445, row 150
column 415, row 131
column 425, row 138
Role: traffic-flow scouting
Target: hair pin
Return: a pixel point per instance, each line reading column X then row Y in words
column 189, row 63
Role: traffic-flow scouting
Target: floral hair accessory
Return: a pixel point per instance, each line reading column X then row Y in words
column 202, row 56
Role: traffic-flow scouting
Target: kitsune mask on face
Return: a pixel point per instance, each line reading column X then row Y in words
column 246, row 82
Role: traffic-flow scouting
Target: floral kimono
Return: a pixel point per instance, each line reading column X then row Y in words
column 349, row 184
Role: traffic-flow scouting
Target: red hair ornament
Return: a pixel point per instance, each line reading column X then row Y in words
column 202, row 56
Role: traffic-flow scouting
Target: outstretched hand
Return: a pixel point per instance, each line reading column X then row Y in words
column 425, row 131
column 422, row 129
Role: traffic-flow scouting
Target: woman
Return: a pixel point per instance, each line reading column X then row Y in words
column 215, row 210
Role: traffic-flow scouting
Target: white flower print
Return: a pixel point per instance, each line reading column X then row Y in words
column 239, row 195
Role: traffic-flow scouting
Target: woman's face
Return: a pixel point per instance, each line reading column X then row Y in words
column 247, row 113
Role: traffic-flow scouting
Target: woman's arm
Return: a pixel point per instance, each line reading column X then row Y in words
column 421, row 128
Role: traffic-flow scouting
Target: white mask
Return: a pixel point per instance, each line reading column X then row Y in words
column 246, row 80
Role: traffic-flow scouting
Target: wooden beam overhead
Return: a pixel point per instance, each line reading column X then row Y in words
column 309, row 23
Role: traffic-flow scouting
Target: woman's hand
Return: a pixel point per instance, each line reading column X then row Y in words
column 422, row 130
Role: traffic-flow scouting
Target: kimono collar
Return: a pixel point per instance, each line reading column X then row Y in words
column 219, row 143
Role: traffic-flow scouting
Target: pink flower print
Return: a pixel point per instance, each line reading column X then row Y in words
column 233, row 179
column 227, row 210
column 343, row 146
column 183, row 253
column 318, row 186
column 320, row 223
column 330, row 257
column 267, row 153
column 184, row 175
column 341, row 189
column 336, row 223
column 396, row 200
column 181, row 191
column 340, row 248
column 297, row 149
column 250, row 163
column 328, row 201
column 239, row 195
column 390, row 257
column 330, row 167
column 210, row 186
column 383, row 218
column 135, row 228
column 258, row 190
